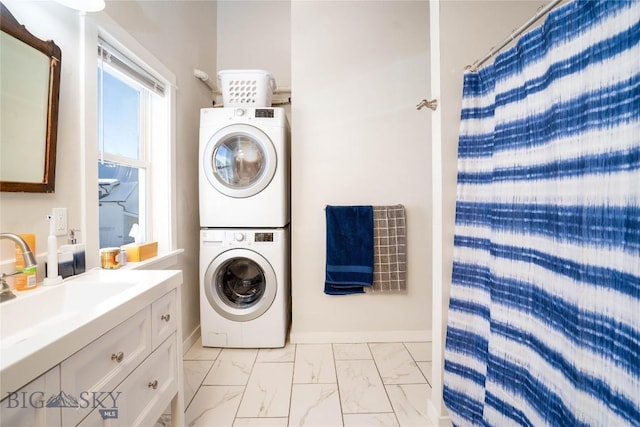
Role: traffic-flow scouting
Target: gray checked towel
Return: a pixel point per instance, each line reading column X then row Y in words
column 389, row 249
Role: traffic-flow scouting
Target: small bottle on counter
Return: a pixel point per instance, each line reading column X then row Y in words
column 26, row 280
column 123, row 256
column 78, row 250
column 110, row 258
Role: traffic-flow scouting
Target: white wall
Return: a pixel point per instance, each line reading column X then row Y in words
column 358, row 70
column 255, row 35
column 182, row 36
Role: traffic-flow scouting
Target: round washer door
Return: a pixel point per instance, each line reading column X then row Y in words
column 240, row 284
column 239, row 160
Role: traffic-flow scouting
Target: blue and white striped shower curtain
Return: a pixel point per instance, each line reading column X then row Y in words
column 544, row 316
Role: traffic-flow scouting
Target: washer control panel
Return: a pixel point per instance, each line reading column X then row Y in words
column 264, row 237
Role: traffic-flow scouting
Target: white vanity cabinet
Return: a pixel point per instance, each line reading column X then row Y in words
column 145, row 393
column 124, row 375
column 148, row 387
column 163, row 318
column 27, row 406
column 106, row 351
column 93, row 372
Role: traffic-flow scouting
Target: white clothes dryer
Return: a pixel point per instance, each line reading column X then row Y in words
column 244, row 287
column 244, row 167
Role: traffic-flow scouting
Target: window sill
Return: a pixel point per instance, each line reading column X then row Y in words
column 160, row 262
column 163, row 261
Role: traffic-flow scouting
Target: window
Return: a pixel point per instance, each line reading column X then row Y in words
column 132, row 141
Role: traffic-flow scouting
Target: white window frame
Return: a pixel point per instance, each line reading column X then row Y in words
column 147, row 105
column 161, row 207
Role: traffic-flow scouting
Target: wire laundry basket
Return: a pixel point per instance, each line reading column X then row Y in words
column 246, row 88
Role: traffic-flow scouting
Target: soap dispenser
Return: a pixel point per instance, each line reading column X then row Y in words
column 78, row 250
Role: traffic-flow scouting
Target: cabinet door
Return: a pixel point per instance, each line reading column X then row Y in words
column 27, row 407
column 163, row 318
column 93, row 372
column 143, row 396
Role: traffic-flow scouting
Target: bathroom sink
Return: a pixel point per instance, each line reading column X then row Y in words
column 41, row 327
column 51, row 304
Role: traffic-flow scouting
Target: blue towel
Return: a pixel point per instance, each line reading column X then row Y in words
column 349, row 249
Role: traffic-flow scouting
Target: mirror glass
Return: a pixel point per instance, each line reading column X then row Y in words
column 29, row 88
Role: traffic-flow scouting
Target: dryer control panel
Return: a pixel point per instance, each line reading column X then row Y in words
column 236, row 237
column 258, row 113
column 264, row 113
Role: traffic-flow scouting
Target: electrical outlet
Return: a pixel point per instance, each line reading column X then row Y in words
column 60, row 221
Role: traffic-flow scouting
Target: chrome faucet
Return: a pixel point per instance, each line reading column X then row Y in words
column 29, row 262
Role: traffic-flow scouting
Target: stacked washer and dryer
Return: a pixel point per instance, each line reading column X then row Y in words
column 244, row 221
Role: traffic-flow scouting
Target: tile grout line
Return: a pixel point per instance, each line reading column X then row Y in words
column 200, row 385
column 244, row 388
column 186, row 406
column 415, row 362
column 335, row 371
column 293, row 373
column 384, row 386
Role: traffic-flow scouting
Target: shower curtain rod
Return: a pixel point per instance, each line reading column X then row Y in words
column 494, row 50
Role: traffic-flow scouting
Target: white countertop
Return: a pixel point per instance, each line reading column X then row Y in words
column 52, row 323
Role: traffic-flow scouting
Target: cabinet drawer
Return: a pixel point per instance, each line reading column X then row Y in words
column 102, row 365
column 145, row 393
column 27, row 407
column 163, row 318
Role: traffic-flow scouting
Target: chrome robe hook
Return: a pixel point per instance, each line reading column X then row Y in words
column 433, row 104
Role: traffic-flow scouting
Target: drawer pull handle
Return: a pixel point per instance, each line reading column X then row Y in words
column 117, row 356
column 153, row 385
column 165, row 317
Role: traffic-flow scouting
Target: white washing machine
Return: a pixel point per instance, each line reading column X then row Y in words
column 244, row 167
column 244, row 287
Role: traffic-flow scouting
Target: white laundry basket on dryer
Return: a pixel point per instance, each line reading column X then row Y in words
column 246, row 88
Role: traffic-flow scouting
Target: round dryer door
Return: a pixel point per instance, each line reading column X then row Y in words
column 239, row 160
column 240, row 284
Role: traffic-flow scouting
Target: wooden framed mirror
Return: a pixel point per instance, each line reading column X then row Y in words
column 29, row 95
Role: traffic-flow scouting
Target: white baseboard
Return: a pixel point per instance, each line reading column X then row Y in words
column 190, row 340
column 358, row 337
column 440, row 420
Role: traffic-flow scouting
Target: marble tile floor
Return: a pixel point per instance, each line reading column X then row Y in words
column 324, row 385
